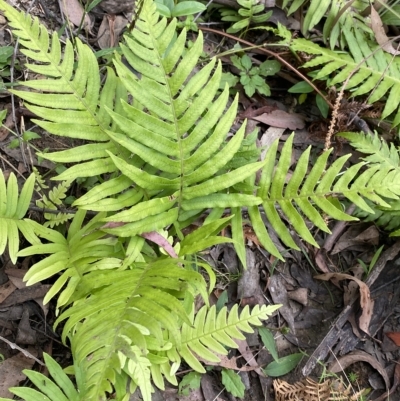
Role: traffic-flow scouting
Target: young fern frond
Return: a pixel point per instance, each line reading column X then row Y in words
column 13, row 208
column 51, row 202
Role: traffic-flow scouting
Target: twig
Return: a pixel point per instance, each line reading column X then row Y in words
column 26, row 353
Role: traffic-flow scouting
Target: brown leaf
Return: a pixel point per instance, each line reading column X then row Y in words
column 366, row 302
column 359, row 356
column 380, row 35
column 11, row 372
column 74, row 12
column 6, row 289
column 394, row 336
column 282, row 119
column 109, row 31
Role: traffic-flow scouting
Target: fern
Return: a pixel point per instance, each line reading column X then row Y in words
column 60, row 388
column 376, row 148
column 374, row 72
column 51, row 202
column 13, row 207
column 338, row 16
column 380, row 153
column 127, row 310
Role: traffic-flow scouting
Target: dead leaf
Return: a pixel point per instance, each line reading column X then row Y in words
column 282, row 119
column 11, row 372
column 380, row 34
column 6, row 289
column 109, row 31
column 161, row 241
column 74, row 12
column 248, row 356
column 366, row 303
column 268, row 138
column 299, row 295
column 394, row 336
column 343, row 362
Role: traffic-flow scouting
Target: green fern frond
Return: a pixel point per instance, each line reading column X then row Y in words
column 85, row 249
column 210, row 332
column 338, row 15
column 386, row 218
column 375, row 147
column 59, row 388
column 375, row 72
column 308, row 193
column 143, row 302
column 51, row 202
column 13, row 208
column 70, row 100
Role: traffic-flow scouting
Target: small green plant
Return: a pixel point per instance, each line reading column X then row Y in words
column 253, row 78
column 251, row 12
column 191, row 381
column 303, row 88
column 368, row 269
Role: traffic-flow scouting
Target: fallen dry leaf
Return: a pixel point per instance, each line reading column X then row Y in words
column 343, row 362
column 11, row 372
column 380, row 34
column 110, row 29
column 394, row 336
column 281, row 119
column 366, row 303
column 74, row 13
column 6, row 289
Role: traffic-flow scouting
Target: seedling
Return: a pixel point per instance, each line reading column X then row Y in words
column 253, row 78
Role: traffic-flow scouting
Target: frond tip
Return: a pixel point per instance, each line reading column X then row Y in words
column 211, row 333
column 13, row 207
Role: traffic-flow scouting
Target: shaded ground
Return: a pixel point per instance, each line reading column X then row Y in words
column 320, row 319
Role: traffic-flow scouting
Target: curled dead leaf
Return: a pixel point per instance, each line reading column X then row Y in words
column 366, row 303
column 343, row 362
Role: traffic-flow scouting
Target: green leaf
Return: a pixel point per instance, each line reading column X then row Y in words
column 187, row 8
column 269, row 342
column 191, row 381
column 283, row 365
column 233, row 383
column 322, row 105
column 301, row 87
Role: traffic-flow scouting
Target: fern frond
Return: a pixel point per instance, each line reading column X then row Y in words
column 143, row 302
column 70, row 100
column 378, row 72
column 376, row 148
column 13, row 207
column 51, row 202
column 85, row 249
column 211, row 332
column 308, row 193
column 59, row 388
